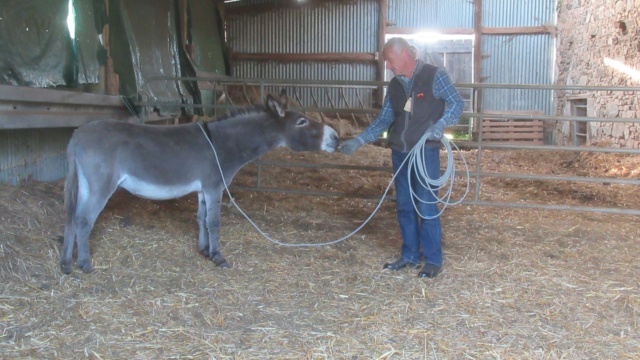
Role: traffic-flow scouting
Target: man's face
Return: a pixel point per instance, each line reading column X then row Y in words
column 398, row 62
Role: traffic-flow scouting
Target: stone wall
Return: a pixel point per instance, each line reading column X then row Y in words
column 598, row 44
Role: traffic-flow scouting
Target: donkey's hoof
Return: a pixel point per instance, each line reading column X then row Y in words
column 66, row 267
column 224, row 265
column 86, row 266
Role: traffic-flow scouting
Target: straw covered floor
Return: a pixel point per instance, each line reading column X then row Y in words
column 516, row 284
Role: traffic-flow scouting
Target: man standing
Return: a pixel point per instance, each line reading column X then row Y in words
column 420, row 98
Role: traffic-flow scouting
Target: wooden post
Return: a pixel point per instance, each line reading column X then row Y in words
column 477, row 57
column 112, row 81
column 382, row 30
column 184, row 30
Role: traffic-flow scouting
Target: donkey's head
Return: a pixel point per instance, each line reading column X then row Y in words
column 301, row 133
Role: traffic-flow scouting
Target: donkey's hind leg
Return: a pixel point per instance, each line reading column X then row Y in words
column 89, row 208
column 66, row 260
column 211, row 216
column 77, row 231
column 84, row 225
column 203, row 236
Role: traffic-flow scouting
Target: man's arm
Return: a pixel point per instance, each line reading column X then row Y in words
column 443, row 89
column 373, row 131
column 380, row 124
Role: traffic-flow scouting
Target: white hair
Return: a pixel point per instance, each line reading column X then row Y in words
column 397, row 44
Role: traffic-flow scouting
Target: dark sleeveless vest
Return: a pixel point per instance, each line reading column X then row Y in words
column 408, row 127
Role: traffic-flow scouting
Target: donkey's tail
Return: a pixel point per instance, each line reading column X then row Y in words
column 71, row 185
column 70, row 203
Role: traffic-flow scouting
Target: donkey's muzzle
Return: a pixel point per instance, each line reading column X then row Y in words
column 330, row 141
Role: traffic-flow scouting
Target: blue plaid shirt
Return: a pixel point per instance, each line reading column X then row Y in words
column 442, row 89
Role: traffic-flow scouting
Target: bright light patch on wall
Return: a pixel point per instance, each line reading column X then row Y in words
column 623, row 68
column 71, row 20
column 431, row 37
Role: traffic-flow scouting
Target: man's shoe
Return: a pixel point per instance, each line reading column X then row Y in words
column 429, row 271
column 399, row 264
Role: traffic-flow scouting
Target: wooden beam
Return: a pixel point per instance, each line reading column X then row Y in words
column 26, row 108
column 282, row 4
column 524, row 30
column 294, row 57
column 483, row 30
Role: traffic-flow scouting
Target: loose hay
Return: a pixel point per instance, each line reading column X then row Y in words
column 516, row 283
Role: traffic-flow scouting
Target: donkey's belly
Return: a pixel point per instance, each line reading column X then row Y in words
column 153, row 191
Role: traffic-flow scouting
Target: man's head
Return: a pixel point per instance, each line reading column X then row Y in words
column 400, row 56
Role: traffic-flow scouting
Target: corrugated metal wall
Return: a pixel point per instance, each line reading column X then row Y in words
column 430, row 14
column 522, row 59
column 329, row 27
column 34, row 154
column 509, row 13
column 518, row 59
column 352, row 27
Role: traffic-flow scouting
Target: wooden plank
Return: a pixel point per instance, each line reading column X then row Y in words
column 511, row 121
column 515, row 112
column 9, row 93
column 511, row 136
column 512, row 130
column 28, row 108
column 526, row 131
column 519, row 30
column 502, row 127
column 55, row 119
column 290, row 57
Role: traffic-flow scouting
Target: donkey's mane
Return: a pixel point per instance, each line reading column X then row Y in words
column 260, row 108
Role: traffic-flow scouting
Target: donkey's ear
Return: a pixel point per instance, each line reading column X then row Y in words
column 274, row 106
column 284, row 99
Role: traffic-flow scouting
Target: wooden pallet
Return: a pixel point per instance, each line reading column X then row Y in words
column 523, row 131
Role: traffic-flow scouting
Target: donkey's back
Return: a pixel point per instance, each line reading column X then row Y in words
column 151, row 161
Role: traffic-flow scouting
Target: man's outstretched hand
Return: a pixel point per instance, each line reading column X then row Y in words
column 350, row 146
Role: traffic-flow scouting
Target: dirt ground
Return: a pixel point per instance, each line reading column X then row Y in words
column 517, row 283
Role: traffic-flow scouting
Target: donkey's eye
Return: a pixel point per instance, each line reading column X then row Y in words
column 302, row 122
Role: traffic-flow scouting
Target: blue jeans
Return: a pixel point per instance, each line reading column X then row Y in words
column 417, row 232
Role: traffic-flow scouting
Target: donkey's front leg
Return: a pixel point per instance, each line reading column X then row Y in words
column 211, row 214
